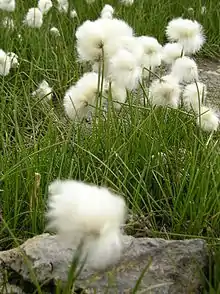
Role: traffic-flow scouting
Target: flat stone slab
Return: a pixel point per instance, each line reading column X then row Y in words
column 209, row 73
column 167, row 266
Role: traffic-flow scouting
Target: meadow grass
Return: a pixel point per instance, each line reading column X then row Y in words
column 167, row 168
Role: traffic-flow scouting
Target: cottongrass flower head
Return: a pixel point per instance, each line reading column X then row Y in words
column 34, row 18
column 44, row 5
column 203, row 10
column 90, row 41
column 115, row 28
column 80, row 99
column 152, row 52
column 119, row 95
column 127, row 2
column 187, row 32
column 83, row 212
column 185, row 69
column 193, row 96
column 55, row 31
column 8, row 22
column 7, row 5
column 5, row 63
column 165, row 92
column 73, row 14
column 93, row 37
column 13, row 59
column 128, row 43
column 124, row 69
column 43, row 91
column 107, row 11
column 170, row 52
column 208, row 120
column 63, row 6
column 90, row 1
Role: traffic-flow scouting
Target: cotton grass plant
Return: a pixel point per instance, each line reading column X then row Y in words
column 164, row 159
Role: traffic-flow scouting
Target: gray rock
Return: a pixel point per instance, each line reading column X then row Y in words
column 209, row 73
column 168, row 266
column 11, row 289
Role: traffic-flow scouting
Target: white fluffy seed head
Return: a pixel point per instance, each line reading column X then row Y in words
column 80, row 99
column 170, row 52
column 119, row 95
column 105, row 250
column 203, row 10
column 193, row 95
column 107, row 11
column 7, row 5
column 152, row 51
column 187, row 32
column 208, row 120
column 55, row 31
column 44, row 5
column 124, row 69
column 93, row 37
column 127, row 2
column 185, row 69
column 90, row 41
column 63, row 6
column 165, row 92
column 115, row 27
column 43, row 91
column 128, row 43
column 73, row 14
column 5, row 63
column 13, row 59
column 81, row 209
column 33, row 18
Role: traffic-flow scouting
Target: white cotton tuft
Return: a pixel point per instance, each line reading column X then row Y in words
column 8, row 22
column 13, row 59
column 124, row 69
column 165, row 92
column 128, row 43
column 5, row 63
column 95, row 38
column 80, row 99
column 55, row 31
column 193, row 95
column 106, row 15
column 79, row 211
column 44, row 5
column 76, row 207
column 107, row 11
column 105, row 250
column 63, row 5
column 127, row 2
column 90, row 41
column 33, row 18
column 119, row 95
column 187, row 32
column 90, row 1
column 185, row 69
column 208, row 120
column 170, row 52
column 203, row 10
column 43, row 91
column 73, row 13
column 7, row 5
column 152, row 52
column 115, row 28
